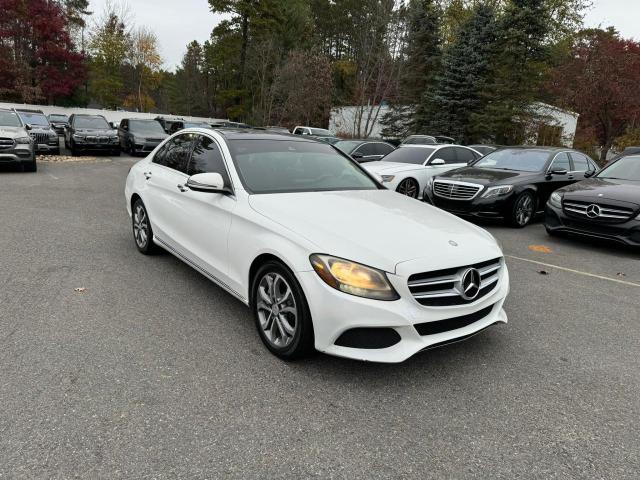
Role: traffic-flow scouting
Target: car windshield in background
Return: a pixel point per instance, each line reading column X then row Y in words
column 271, row 166
column 415, row 155
column 515, row 159
column 146, row 127
column 9, row 119
column 346, row 146
column 58, row 118
column 34, row 119
column 97, row 123
column 320, row 131
column 627, row 168
column 196, row 125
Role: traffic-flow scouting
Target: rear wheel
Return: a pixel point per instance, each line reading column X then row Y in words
column 142, row 232
column 281, row 312
column 408, row 187
column 523, row 210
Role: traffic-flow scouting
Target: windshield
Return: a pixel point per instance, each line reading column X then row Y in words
column 146, row 127
column 270, row 166
column 320, row 131
column 91, row 122
column 346, row 146
column 196, row 125
column 9, row 119
column 58, row 118
column 627, row 168
column 34, row 119
column 415, row 155
column 426, row 140
column 515, row 159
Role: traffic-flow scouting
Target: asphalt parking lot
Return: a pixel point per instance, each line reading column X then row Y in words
column 154, row 372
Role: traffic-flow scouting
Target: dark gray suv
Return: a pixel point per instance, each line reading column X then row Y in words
column 140, row 136
column 16, row 146
column 40, row 130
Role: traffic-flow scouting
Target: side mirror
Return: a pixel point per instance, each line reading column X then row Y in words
column 559, row 171
column 590, row 173
column 28, row 126
column 207, row 182
column 357, row 155
column 437, row 161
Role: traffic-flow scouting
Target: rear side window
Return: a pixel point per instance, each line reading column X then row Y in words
column 207, row 158
column 175, row 153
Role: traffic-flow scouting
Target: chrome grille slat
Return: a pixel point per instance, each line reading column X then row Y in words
column 455, row 190
column 613, row 212
column 6, row 143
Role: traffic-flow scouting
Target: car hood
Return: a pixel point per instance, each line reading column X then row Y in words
column 379, row 228
column 12, row 132
column 389, row 167
column 604, row 188
column 486, row 176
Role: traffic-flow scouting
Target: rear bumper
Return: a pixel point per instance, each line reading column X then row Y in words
column 556, row 221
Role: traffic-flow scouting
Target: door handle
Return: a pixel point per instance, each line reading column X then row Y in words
column 182, row 188
column 147, row 175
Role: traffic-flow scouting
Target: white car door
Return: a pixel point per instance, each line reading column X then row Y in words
column 206, row 216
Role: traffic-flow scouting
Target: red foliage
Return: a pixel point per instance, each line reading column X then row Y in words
column 37, row 56
column 600, row 82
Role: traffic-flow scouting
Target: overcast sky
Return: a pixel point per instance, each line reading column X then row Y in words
column 177, row 22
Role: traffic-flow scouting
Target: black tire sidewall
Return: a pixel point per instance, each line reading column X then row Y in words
column 150, row 248
column 302, row 344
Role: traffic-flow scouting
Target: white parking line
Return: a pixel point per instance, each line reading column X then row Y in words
column 53, row 176
column 601, row 277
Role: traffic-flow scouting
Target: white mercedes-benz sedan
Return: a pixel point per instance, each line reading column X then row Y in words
column 408, row 169
column 324, row 255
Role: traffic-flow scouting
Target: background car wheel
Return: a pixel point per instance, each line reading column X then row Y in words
column 408, row 187
column 281, row 312
column 142, row 232
column 523, row 210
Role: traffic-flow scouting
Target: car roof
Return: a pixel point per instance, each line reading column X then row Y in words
column 28, row 110
column 251, row 134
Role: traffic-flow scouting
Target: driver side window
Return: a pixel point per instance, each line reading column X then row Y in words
column 561, row 162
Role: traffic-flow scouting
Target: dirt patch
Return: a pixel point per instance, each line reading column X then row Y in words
column 69, row 158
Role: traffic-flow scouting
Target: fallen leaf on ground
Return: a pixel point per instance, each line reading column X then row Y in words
column 79, row 289
column 540, row 249
column 543, row 272
column 620, row 274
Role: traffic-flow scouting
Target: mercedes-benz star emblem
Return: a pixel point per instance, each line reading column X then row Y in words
column 470, row 284
column 453, row 243
column 593, row 211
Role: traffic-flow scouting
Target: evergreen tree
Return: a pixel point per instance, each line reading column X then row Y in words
column 519, row 71
column 466, row 70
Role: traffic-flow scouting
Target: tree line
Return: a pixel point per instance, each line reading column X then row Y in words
column 470, row 69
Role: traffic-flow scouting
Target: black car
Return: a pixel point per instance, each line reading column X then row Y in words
column 627, row 151
column 606, row 206
column 511, row 183
column 140, row 136
column 364, row 150
column 91, row 133
column 59, row 122
column 40, row 130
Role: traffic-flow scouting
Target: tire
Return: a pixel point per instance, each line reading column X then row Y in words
column 32, row 166
column 281, row 312
column 56, row 152
column 408, row 187
column 523, row 210
column 74, row 151
column 141, row 228
column 115, row 153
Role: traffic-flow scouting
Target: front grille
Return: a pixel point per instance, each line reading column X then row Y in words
column 597, row 211
column 455, row 190
column 158, row 140
column 40, row 138
column 442, row 288
column 103, row 139
column 6, row 143
column 440, row 326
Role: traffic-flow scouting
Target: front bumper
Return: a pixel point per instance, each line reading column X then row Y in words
column 145, row 147
column 496, row 207
column 556, row 221
column 48, row 148
column 96, row 147
column 17, row 155
column 335, row 313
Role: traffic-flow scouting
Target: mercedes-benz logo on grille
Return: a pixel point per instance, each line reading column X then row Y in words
column 593, row 211
column 470, row 284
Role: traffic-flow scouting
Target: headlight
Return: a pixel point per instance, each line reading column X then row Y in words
column 23, row 140
column 353, row 278
column 555, row 200
column 387, row 178
column 497, row 191
column 78, row 137
column 429, row 186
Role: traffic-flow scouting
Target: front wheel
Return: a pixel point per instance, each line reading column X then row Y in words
column 281, row 312
column 408, row 187
column 142, row 232
column 523, row 210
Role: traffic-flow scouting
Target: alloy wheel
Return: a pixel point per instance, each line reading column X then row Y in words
column 140, row 226
column 277, row 310
column 524, row 210
column 408, row 187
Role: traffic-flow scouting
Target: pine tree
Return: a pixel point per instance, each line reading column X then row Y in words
column 466, row 70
